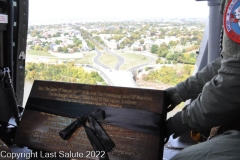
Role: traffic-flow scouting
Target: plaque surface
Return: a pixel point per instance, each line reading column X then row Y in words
column 39, row 130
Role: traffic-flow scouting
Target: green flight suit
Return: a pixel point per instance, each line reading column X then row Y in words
column 216, row 90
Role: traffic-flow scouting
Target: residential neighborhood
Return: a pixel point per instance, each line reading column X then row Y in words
column 135, row 36
column 109, row 46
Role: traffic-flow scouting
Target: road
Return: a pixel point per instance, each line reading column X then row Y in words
column 121, row 60
column 97, row 62
column 114, row 76
column 135, row 67
column 120, row 78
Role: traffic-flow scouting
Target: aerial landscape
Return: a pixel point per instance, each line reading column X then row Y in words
column 129, row 48
column 107, row 51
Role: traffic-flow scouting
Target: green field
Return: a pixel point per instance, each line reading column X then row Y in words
column 132, row 59
column 108, row 60
column 39, row 53
column 87, row 59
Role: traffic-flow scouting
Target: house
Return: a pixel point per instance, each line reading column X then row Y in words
column 84, row 45
column 148, row 44
column 136, row 46
column 52, row 45
column 70, row 50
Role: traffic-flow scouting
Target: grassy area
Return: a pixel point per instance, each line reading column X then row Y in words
column 95, row 43
column 39, row 53
column 108, row 60
column 132, row 59
column 87, row 59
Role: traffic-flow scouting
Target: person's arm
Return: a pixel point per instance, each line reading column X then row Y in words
column 193, row 86
column 219, row 103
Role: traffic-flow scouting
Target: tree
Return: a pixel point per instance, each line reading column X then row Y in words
column 154, row 48
column 60, row 49
column 37, row 48
column 77, row 41
column 183, row 41
column 46, row 48
column 30, row 43
column 170, row 75
column 65, row 50
column 153, row 32
column 163, row 50
column 141, row 41
column 58, row 41
column 173, row 43
column 117, row 37
column 159, row 61
column 64, row 72
column 170, row 56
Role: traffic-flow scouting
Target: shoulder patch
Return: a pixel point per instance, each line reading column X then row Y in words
column 232, row 20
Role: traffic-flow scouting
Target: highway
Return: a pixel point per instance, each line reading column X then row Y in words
column 96, row 60
column 121, row 60
column 115, row 77
column 135, row 67
column 120, row 78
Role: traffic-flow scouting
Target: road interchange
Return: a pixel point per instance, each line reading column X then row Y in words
column 115, row 77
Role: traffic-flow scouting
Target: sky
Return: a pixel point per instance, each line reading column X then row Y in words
column 84, row 9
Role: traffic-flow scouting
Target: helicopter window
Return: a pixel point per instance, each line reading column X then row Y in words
column 147, row 44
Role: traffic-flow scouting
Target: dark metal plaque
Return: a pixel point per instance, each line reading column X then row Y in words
column 40, row 130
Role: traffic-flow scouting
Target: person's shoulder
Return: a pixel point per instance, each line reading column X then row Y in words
column 222, row 6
